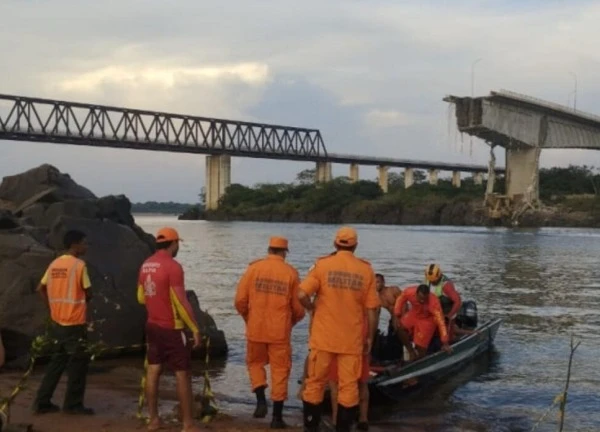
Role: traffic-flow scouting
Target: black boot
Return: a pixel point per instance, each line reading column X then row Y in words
column 345, row 418
column 261, row 403
column 277, row 422
column 312, row 417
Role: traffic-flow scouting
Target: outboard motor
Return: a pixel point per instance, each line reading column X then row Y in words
column 467, row 317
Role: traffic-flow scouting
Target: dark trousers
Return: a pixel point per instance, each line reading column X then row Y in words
column 68, row 353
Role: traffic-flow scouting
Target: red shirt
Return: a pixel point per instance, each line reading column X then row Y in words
column 161, row 288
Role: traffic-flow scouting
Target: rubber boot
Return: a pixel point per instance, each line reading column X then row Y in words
column 345, row 418
column 261, row 403
column 277, row 422
column 312, row 417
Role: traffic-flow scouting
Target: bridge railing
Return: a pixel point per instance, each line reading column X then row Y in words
column 34, row 119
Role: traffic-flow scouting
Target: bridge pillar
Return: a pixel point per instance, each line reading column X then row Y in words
column 354, row 172
column 323, row 174
column 522, row 166
column 478, row 178
column 433, row 176
column 409, row 178
column 456, row 179
column 218, row 179
column 383, row 178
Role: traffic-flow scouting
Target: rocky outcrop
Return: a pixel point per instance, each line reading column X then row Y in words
column 37, row 208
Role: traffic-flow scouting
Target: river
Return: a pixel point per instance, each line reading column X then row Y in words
column 544, row 283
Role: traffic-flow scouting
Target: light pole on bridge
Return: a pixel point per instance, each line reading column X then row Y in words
column 473, row 76
column 574, row 90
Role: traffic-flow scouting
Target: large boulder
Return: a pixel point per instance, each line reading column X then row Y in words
column 38, row 207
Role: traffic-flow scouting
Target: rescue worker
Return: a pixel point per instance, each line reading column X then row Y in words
column 161, row 289
column 344, row 286
column 420, row 321
column 444, row 290
column 363, row 388
column 267, row 300
column 388, row 346
column 65, row 287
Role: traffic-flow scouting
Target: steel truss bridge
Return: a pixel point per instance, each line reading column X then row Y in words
column 54, row 121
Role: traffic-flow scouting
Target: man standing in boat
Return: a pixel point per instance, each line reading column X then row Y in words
column 345, row 290
column 421, row 321
column 443, row 288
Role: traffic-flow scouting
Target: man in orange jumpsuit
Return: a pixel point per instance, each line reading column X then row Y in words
column 344, row 286
column 161, row 288
column 421, row 320
column 363, row 388
column 267, row 299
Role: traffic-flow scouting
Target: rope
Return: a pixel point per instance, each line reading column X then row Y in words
column 558, row 399
column 40, row 343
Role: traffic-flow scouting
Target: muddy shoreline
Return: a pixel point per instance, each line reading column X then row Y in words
column 112, row 391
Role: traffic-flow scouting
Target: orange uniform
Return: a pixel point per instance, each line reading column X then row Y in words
column 422, row 319
column 267, row 299
column 67, row 279
column 345, row 288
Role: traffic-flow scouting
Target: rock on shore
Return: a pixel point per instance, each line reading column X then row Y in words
column 36, row 209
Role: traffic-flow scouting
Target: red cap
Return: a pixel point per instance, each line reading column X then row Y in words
column 167, row 234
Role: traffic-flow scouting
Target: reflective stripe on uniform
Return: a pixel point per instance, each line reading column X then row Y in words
column 72, row 286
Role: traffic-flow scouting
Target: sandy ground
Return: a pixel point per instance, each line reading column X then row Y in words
column 114, row 394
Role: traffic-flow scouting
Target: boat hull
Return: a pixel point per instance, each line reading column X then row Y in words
column 396, row 383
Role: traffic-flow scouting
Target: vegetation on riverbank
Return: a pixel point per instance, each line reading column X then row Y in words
column 155, row 207
column 569, row 195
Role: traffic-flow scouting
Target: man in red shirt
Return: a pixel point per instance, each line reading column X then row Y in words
column 420, row 321
column 444, row 290
column 161, row 288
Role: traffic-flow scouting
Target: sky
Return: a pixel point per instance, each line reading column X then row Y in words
column 370, row 75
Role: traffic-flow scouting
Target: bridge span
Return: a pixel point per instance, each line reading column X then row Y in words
column 524, row 125
column 54, row 121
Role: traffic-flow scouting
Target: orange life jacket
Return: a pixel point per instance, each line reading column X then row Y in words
column 65, row 279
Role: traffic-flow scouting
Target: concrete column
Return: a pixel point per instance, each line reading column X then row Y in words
column 323, row 174
column 433, row 176
column 478, row 178
column 353, row 173
column 522, row 173
column 409, row 178
column 383, row 178
column 218, row 179
column 456, row 179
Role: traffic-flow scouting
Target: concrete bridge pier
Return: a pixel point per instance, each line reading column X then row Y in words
column 383, row 177
column 456, row 179
column 478, row 178
column 323, row 174
column 433, row 177
column 354, row 173
column 218, row 179
column 409, row 177
column 522, row 166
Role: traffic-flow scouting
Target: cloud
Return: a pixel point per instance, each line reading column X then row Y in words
column 370, row 75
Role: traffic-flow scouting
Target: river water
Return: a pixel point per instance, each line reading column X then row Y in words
column 544, row 283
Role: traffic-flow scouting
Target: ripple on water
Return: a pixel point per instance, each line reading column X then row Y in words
column 542, row 282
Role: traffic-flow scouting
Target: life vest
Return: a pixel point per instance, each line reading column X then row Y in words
column 65, row 291
column 438, row 290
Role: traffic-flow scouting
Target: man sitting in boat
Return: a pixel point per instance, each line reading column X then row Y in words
column 421, row 321
column 386, row 347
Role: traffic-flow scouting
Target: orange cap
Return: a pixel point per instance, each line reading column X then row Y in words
column 167, row 234
column 346, row 236
column 278, row 243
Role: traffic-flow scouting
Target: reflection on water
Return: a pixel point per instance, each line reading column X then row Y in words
column 544, row 283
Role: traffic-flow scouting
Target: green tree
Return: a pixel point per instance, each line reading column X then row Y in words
column 306, row 176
